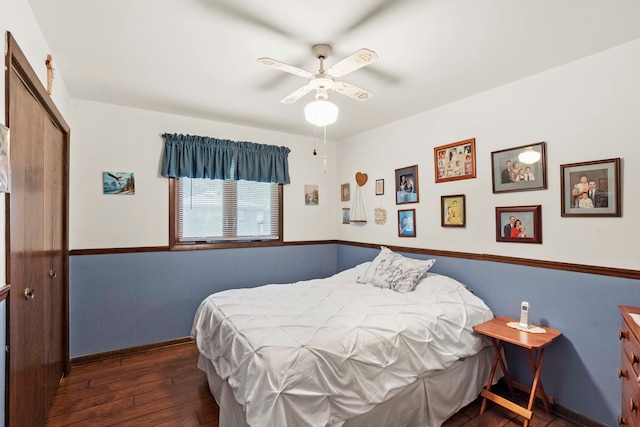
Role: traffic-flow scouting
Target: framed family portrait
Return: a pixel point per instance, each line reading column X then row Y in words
column 407, row 185
column 407, row 223
column 452, row 211
column 379, row 187
column 345, row 192
column 455, row 161
column 519, row 224
column 521, row 168
column 591, row 188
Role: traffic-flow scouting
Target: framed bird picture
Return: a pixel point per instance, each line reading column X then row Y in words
column 118, row 183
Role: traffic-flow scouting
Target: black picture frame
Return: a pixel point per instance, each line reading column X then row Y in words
column 511, row 170
column 602, row 179
column 407, row 185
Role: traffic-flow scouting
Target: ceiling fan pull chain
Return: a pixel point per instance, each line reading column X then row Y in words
column 324, row 128
column 315, row 141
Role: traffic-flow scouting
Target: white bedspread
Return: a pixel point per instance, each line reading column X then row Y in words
column 320, row 352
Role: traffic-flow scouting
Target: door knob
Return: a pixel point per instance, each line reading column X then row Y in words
column 52, row 274
column 29, row 293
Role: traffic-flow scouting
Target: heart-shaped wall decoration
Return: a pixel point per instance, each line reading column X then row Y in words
column 361, row 178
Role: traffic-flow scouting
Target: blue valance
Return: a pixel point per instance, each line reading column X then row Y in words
column 189, row 156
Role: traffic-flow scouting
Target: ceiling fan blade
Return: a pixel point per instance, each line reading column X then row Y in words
column 352, row 62
column 296, row 95
column 285, row 67
column 352, row 91
column 240, row 13
column 375, row 13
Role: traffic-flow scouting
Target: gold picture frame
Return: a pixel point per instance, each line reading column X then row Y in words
column 453, row 211
column 345, row 192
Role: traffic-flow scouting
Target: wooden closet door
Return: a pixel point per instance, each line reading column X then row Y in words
column 37, row 245
column 26, row 260
column 54, row 232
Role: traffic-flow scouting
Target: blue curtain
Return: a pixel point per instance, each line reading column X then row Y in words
column 189, row 156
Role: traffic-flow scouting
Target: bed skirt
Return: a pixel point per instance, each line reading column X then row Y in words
column 427, row 402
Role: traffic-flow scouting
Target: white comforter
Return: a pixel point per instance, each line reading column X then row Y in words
column 320, row 352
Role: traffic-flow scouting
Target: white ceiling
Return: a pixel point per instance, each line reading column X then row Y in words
column 198, row 57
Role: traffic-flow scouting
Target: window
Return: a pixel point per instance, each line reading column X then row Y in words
column 225, row 213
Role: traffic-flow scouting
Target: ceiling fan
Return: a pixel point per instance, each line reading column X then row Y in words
column 324, row 80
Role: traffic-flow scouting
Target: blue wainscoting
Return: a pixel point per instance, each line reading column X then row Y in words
column 580, row 369
column 126, row 300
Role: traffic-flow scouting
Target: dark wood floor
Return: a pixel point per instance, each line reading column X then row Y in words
column 163, row 387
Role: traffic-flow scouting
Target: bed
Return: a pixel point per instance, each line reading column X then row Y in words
column 383, row 343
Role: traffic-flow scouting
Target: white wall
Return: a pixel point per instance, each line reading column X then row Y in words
column 120, row 139
column 585, row 110
column 112, row 138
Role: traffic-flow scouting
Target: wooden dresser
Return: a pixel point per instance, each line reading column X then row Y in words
column 629, row 371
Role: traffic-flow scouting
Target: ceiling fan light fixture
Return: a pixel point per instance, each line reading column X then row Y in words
column 529, row 156
column 321, row 112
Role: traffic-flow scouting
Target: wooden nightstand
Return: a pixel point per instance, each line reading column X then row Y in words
column 499, row 332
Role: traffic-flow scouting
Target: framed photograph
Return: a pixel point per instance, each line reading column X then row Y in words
column 379, row 187
column 521, row 168
column 381, row 216
column 345, row 192
column 118, row 183
column 407, row 185
column 407, row 223
column 5, row 171
column 452, row 211
column 591, row 188
column 346, row 215
column 311, row 195
column 455, row 161
column 519, row 224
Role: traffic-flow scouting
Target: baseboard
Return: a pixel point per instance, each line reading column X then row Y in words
column 566, row 413
column 128, row 351
column 575, row 417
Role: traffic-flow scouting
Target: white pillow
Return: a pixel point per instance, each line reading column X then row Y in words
column 370, row 272
column 390, row 270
